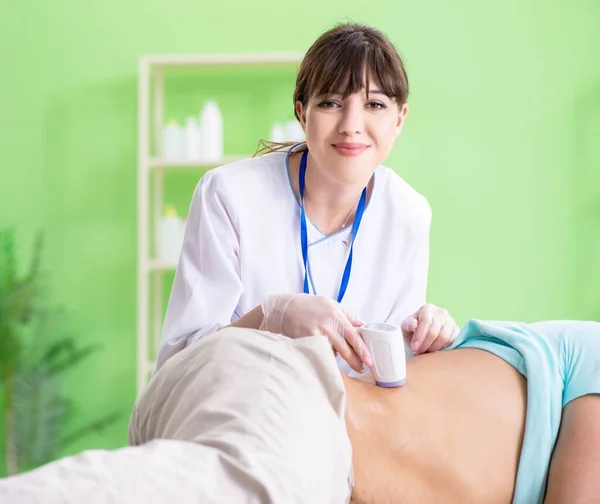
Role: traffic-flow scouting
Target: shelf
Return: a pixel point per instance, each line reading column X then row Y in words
column 157, row 265
column 154, row 71
column 191, row 60
column 149, row 368
column 187, row 164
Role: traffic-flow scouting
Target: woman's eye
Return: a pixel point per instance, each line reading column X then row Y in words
column 327, row 104
column 376, row 105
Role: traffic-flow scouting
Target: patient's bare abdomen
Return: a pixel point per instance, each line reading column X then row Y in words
column 452, row 434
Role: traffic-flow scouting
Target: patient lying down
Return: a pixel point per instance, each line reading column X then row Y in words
column 504, row 416
column 461, row 430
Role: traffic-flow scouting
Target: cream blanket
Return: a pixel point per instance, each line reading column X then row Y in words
column 241, row 416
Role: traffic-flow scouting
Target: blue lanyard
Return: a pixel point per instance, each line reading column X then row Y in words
column 304, row 235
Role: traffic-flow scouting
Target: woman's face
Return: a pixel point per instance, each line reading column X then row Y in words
column 348, row 138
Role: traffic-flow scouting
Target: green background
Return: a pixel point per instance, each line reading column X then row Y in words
column 503, row 137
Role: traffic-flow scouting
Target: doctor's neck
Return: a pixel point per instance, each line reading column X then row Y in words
column 329, row 202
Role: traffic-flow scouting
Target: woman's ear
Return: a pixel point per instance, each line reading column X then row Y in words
column 301, row 114
column 402, row 113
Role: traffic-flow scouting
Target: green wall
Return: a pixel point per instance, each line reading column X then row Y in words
column 503, row 136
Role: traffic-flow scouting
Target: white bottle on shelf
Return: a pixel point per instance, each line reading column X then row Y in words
column 172, row 141
column 169, row 236
column 278, row 133
column 211, row 124
column 193, row 139
column 294, row 132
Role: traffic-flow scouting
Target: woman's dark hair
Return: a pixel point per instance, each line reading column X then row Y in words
column 343, row 59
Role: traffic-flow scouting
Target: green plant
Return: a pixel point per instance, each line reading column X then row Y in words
column 36, row 347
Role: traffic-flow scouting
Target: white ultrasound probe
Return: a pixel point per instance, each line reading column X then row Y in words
column 386, row 344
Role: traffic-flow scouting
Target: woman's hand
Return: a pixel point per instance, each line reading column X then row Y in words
column 429, row 329
column 300, row 315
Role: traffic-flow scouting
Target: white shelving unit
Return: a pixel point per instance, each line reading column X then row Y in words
column 151, row 169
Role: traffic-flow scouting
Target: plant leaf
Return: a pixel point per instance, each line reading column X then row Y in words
column 10, row 343
column 8, row 268
column 94, row 426
column 35, row 267
column 40, row 412
column 63, row 354
column 35, row 348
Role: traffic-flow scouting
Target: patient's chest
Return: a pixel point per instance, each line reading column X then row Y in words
column 453, row 433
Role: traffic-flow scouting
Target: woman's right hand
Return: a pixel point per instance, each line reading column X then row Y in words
column 299, row 315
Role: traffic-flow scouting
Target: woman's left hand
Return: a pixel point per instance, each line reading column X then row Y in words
column 429, row 329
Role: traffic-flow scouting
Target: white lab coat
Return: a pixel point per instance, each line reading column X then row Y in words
column 242, row 243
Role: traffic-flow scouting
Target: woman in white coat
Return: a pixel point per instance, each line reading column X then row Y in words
column 317, row 237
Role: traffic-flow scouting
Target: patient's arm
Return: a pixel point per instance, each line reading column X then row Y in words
column 453, row 433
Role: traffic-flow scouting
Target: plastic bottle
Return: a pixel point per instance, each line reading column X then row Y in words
column 211, row 123
column 193, row 139
column 169, row 236
column 172, row 141
column 278, row 133
column 294, row 132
